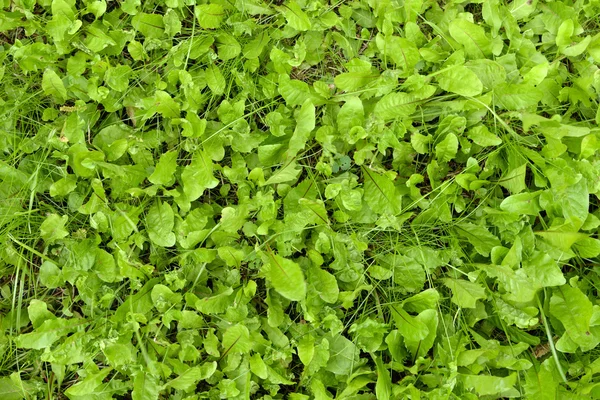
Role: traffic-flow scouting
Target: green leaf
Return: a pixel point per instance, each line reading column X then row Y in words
column 150, row 25
column 286, row 173
column 236, row 339
column 295, row 17
column 53, row 228
column 145, row 387
column 485, row 385
column 574, row 310
column 409, row 275
column 403, row 52
column 227, row 47
column 380, row 193
column 50, row 275
column 351, row 114
column 54, row 86
column 64, row 186
column 164, row 298
column 383, row 387
column 306, row 349
column 46, row 334
column 305, row 123
column 472, row 37
column 522, row 203
column 460, row 80
column 325, row 284
column 160, row 222
column 117, row 77
column 396, row 106
column 165, row 169
column 481, row 135
column 409, row 327
column 420, row 348
column 210, row 16
column 88, row 386
column 198, row 176
column 515, row 97
column 541, row 382
column 465, row 293
column 543, row 270
column 165, row 105
column 215, row 80
column 188, row 380
column 446, row 149
column 479, row 237
column 10, row 391
column 286, row 277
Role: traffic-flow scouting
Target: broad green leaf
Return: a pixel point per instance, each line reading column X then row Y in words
column 214, row 304
column 306, row 349
column 396, row 106
column 522, row 203
column 487, row 385
column 343, row 355
column 401, row 51
column 380, row 193
column 50, row 275
column 215, row 80
column 383, row 387
column 574, row 310
column 305, row 123
column 236, row 339
column 325, row 284
column 286, row 173
column 164, row 171
column 561, row 240
column 479, row 237
column 151, row 26
column 188, row 380
column 64, row 186
column 351, row 114
column 541, row 382
column 198, row 176
column 515, row 97
column 258, row 366
column 88, row 386
column 481, row 135
column 514, row 179
column 409, row 327
column 543, row 270
column 11, row 391
column 164, row 298
column 46, row 334
column 286, row 277
column 117, row 78
column 210, row 16
column 420, row 348
column 165, row 105
column 54, row 86
column 53, row 228
column 159, row 223
column 472, row 37
column 227, row 47
column 409, row 275
column 460, row 80
column 447, row 148
column 295, row 16
column 145, row 387
column 465, row 293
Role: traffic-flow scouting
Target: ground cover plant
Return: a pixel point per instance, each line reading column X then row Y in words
column 299, row 199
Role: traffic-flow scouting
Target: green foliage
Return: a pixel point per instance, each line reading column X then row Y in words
column 299, row 199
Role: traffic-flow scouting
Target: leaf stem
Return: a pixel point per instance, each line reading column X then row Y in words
column 551, row 341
